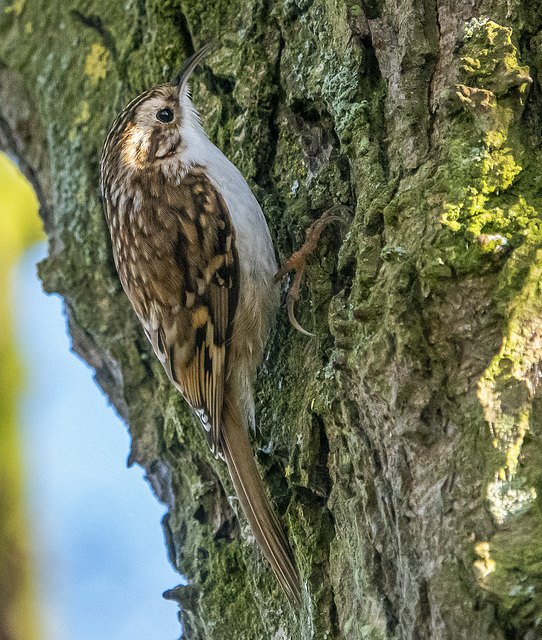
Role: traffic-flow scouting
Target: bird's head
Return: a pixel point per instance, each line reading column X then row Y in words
column 155, row 126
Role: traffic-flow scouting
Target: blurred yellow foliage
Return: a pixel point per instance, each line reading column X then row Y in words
column 20, row 226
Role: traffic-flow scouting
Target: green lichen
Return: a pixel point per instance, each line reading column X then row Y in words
column 493, row 213
column 485, row 154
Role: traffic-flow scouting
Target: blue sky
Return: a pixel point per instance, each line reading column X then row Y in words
column 98, row 544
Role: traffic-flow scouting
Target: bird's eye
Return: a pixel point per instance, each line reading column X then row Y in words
column 164, row 115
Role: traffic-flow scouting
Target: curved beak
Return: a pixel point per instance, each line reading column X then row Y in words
column 184, row 74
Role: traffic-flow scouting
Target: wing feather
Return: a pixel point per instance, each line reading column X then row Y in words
column 196, row 274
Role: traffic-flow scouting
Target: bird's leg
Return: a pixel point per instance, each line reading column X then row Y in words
column 298, row 260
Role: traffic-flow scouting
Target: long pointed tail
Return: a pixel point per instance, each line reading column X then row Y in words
column 255, row 501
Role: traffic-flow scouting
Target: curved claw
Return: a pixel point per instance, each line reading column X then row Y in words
column 290, row 305
column 297, row 260
column 333, row 219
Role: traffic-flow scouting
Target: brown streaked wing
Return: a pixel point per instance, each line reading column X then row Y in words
column 196, row 343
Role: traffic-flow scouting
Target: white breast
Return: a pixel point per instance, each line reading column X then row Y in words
column 258, row 295
column 253, row 240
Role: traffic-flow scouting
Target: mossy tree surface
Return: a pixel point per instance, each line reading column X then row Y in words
column 403, row 444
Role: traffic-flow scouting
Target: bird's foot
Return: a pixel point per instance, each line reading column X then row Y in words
column 297, row 261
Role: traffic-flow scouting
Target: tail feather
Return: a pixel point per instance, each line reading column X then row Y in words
column 255, row 501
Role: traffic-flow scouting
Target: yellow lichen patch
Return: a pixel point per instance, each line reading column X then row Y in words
column 85, row 114
column 485, row 565
column 493, row 94
column 96, row 63
column 83, row 118
column 16, row 7
column 28, row 28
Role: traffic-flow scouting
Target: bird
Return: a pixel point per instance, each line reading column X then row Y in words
column 195, row 257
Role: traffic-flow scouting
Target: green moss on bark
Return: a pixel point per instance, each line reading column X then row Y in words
column 371, row 437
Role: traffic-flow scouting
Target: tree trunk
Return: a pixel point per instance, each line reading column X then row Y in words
column 402, row 444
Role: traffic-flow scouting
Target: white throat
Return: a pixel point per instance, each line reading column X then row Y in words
column 253, row 241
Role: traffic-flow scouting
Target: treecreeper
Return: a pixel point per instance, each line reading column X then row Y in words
column 195, row 258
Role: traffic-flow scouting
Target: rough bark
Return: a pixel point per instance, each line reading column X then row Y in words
column 402, row 445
